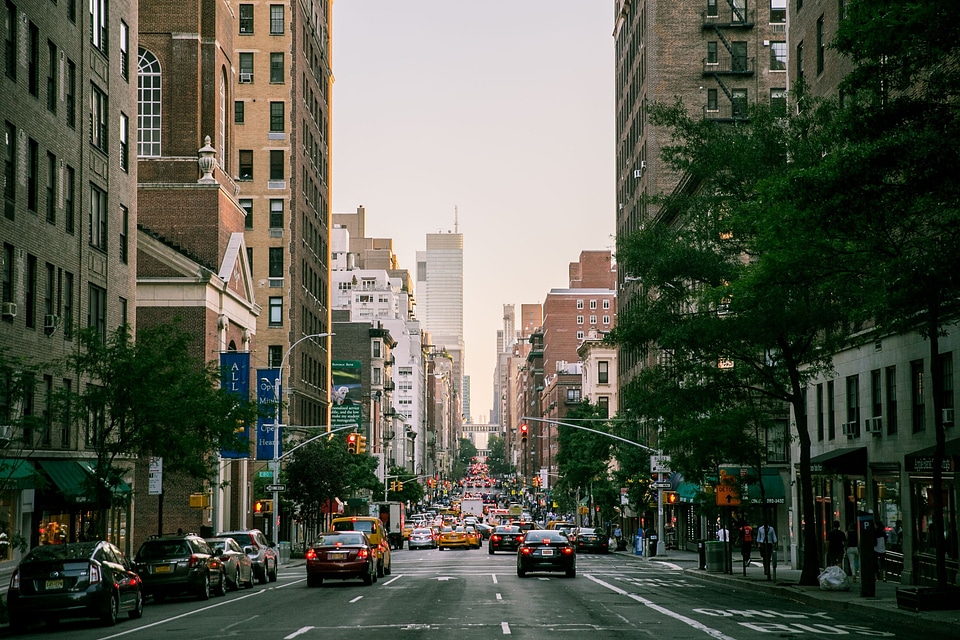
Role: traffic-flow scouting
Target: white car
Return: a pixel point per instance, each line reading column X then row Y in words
column 422, row 538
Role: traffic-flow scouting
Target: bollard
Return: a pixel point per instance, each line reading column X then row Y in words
column 773, row 563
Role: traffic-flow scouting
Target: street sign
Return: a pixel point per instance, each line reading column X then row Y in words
column 276, row 487
column 727, row 495
column 264, row 474
column 661, row 485
column 659, row 464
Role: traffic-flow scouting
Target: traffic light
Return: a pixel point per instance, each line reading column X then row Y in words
column 399, row 486
column 361, row 444
column 267, row 506
column 524, row 432
column 670, row 497
column 258, row 506
column 393, row 485
column 352, row 443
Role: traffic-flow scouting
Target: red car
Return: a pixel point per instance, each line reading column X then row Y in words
column 341, row 555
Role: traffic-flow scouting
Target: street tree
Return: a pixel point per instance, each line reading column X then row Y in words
column 497, row 463
column 583, row 457
column 466, row 452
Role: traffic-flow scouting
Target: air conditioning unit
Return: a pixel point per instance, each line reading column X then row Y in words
column 246, row 78
column 947, row 416
column 6, row 434
column 873, row 425
column 50, row 321
column 849, row 429
column 9, row 310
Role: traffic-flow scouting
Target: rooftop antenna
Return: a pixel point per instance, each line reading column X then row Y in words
column 456, row 219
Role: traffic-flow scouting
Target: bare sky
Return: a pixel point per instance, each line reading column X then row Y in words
column 500, row 109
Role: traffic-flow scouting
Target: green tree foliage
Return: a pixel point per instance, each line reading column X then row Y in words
column 413, row 490
column 149, row 398
column 583, row 457
column 497, row 463
column 466, row 452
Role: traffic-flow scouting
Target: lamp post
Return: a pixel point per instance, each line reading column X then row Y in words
column 276, row 433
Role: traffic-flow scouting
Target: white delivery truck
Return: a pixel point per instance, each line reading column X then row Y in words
column 471, row 507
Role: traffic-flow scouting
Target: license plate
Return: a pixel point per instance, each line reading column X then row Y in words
column 546, row 552
column 162, row 568
column 336, row 556
column 54, row 584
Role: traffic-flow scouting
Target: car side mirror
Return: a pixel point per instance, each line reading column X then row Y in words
column 248, row 549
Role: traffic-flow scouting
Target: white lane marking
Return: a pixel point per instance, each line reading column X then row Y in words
column 393, row 579
column 183, row 615
column 669, row 565
column 298, row 632
column 494, row 576
column 289, row 584
column 357, row 599
column 499, row 597
column 505, row 627
column 699, row 626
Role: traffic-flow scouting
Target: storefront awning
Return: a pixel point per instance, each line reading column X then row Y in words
column 121, row 489
column 17, row 474
column 922, row 461
column 773, row 491
column 850, row 461
column 70, row 478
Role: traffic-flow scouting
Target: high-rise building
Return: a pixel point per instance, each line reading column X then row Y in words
column 68, row 236
column 281, row 161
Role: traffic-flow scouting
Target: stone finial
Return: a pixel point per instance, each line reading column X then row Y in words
column 207, row 162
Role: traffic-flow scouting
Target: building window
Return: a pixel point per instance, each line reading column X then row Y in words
column 222, row 122
column 274, row 356
column 246, row 68
column 124, row 50
column 276, row 19
column 124, row 234
column 593, row 320
column 778, row 11
column 66, row 415
column 831, row 411
column 276, row 116
column 67, row 305
column 30, row 292
column 712, row 56
column 606, row 319
column 276, row 67
column 821, row 45
column 6, row 268
column 853, row 405
column 98, row 118
column 33, row 61
column 579, row 304
column 238, row 112
column 276, row 262
column 276, row 311
column 276, row 214
column 579, row 319
column 573, row 395
column 799, row 60
column 377, row 349
column 946, row 368
column 52, row 77
column 71, row 97
column 606, row 304
column 712, row 9
column 247, row 205
column 917, row 402
column 739, row 103
column 579, row 335
column 778, row 102
column 246, row 18
column 593, row 304
column 876, row 394
column 712, row 104
column 124, row 145
column 820, row 423
column 98, row 217
column 69, row 199
column 97, row 310
column 33, row 171
column 778, row 56
column 51, row 188
column 276, row 164
column 603, row 372
column 148, row 105
column 98, row 25
column 246, row 164
column 10, row 42
column 891, row 379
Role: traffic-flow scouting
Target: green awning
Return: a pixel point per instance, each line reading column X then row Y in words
column 70, row 478
column 121, row 489
column 773, row 491
column 17, row 474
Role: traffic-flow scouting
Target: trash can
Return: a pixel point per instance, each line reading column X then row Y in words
column 638, row 544
column 715, row 556
column 652, row 547
column 283, row 550
column 702, row 554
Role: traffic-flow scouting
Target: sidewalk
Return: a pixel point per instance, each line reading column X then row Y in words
column 883, row 606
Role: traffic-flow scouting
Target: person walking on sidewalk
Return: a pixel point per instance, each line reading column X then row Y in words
column 746, row 543
column 880, row 550
column 766, row 538
column 836, row 543
column 853, row 552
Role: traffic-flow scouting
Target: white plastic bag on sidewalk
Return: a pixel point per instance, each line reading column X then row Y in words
column 834, row 579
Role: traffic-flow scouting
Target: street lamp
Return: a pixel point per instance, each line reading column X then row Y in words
column 276, row 433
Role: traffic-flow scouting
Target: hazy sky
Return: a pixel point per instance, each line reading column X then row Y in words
column 502, row 109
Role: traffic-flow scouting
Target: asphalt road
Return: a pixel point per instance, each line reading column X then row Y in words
column 462, row 595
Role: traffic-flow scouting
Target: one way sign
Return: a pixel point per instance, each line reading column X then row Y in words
column 276, row 487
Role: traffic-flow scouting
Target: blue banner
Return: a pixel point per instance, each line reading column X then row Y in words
column 266, row 379
column 235, row 379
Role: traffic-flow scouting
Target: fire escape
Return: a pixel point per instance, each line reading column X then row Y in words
column 728, row 67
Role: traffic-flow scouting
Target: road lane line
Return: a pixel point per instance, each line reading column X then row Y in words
column 182, row 615
column 505, row 628
column 393, row 579
column 298, row 632
column 289, row 584
column 699, row 626
column 357, row 599
column 499, row 597
column 494, row 576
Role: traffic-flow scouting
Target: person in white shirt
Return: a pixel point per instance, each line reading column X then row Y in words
column 722, row 534
column 766, row 539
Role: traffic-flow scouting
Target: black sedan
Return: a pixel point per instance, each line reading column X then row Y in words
column 587, row 539
column 506, row 537
column 546, row 550
column 341, row 555
column 80, row 579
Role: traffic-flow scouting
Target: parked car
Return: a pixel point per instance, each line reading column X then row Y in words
column 235, row 564
column 178, row 564
column 377, row 534
column 505, row 537
column 422, row 538
column 78, row 579
column 261, row 551
column 587, row 539
column 546, row 550
column 341, row 555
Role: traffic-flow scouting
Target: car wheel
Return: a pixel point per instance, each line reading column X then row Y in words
column 262, row 575
column 234, row 585
column 203, row 592
column 314, row 581
column 109, row 617
column 137, row 611
column 369, row 577
column 18, row 624
column 272, row 576
column 159, row 597
column 380, row 572
column 572, row 572
column 249, row 583
column 521, row 572
column 388, row 569
column 490, row 549
column 221, row 589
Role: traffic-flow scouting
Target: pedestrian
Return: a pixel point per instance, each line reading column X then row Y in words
column 767, row 539
column 880, row 550
column 853, row 552
column 746, row 542
column 836, row 545
column 618, row 536
column 722, row 534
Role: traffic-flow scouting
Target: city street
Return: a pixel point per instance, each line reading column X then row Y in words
column 470, row 594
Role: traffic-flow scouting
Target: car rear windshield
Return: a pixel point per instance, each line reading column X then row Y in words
column 72, row 551
column 539, row 537
column 333, row 539
column 354, row 525
column 163, row 549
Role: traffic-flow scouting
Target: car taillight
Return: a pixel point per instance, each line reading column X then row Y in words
column 495, row 537
column 94, row 574
column 195, row 561
column 568, row 551
column 526, row 551
column 15, row 580
column 363, row 554
column 519, row 538
column 311, row 554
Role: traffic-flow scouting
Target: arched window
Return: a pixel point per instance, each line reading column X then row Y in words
column 222, row 133
column 148, row 105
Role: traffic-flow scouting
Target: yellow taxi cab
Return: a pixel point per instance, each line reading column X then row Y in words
column 375, row 530
column 473, row 536
column 407, row 530
column 453, row 537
